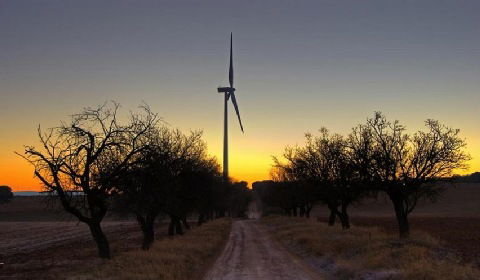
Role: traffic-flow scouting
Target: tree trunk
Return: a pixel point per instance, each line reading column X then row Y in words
column 148, row 236
column 221, row 214
column 294, row 209
column 147, row 224
column 308, row 210
column 400, row 213
column 185, row 223
column 344, row 217
column 171, row 229
column 288, row 212
column 302, row 210
column 175, row 226
column 201, row 219
column 100, row 239
column 178, row 227
column 333, row 214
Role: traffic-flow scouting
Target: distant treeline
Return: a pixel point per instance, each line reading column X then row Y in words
column 471, row 178
column 6, row 194
column 95, row 164
column 377, row 157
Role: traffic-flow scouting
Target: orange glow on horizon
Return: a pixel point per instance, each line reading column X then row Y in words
column 250, row 153
column 251, row 165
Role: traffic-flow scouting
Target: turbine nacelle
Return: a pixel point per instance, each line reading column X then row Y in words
column 225, row 89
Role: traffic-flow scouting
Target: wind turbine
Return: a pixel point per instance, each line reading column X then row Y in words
column 229, row 92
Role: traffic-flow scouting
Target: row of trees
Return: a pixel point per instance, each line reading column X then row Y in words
column 97, row 163
column 6, row 194
column 376, row 157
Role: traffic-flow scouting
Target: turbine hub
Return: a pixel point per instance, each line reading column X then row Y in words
column 225, row 89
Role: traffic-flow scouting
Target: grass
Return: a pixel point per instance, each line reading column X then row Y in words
column 369, row 251
column 182, row 257
column 459, row 233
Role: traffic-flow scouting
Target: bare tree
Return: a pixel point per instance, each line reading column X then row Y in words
column 289, row 190
column 407, row 167
column 189, row 163
column 79, row 162
column 173, row 176
column 322, row 171
column 378, row 156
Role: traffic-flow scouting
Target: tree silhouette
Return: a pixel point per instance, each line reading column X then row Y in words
column 174, row 176
column 239, row 199
column 6, row 194
column 378, row 156
column 80, row 162
column 322, row 171
column 407, row 167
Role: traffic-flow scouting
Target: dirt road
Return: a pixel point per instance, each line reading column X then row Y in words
column 252, row 254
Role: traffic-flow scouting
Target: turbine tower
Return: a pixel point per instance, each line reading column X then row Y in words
column 229, row 92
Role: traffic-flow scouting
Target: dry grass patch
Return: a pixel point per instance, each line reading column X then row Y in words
column 170, row 258
column 369, row 251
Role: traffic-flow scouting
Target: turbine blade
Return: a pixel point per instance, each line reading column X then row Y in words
column 234, row 101
column 230, row 71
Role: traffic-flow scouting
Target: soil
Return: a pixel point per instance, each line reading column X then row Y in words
column 252, row 254
column 53, row 250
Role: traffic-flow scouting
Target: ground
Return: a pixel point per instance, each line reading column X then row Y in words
column 39, row 242
column 43, row 250
column 454, row 218
column 44, row 243
column 251, row 253
column 462, row 234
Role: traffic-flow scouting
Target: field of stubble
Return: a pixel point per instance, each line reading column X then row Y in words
column 44, row 243
column 454, row 218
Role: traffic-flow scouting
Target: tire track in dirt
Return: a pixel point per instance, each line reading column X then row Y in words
column 251, row 254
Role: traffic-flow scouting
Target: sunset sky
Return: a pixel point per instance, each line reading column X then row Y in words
column 299, row 65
